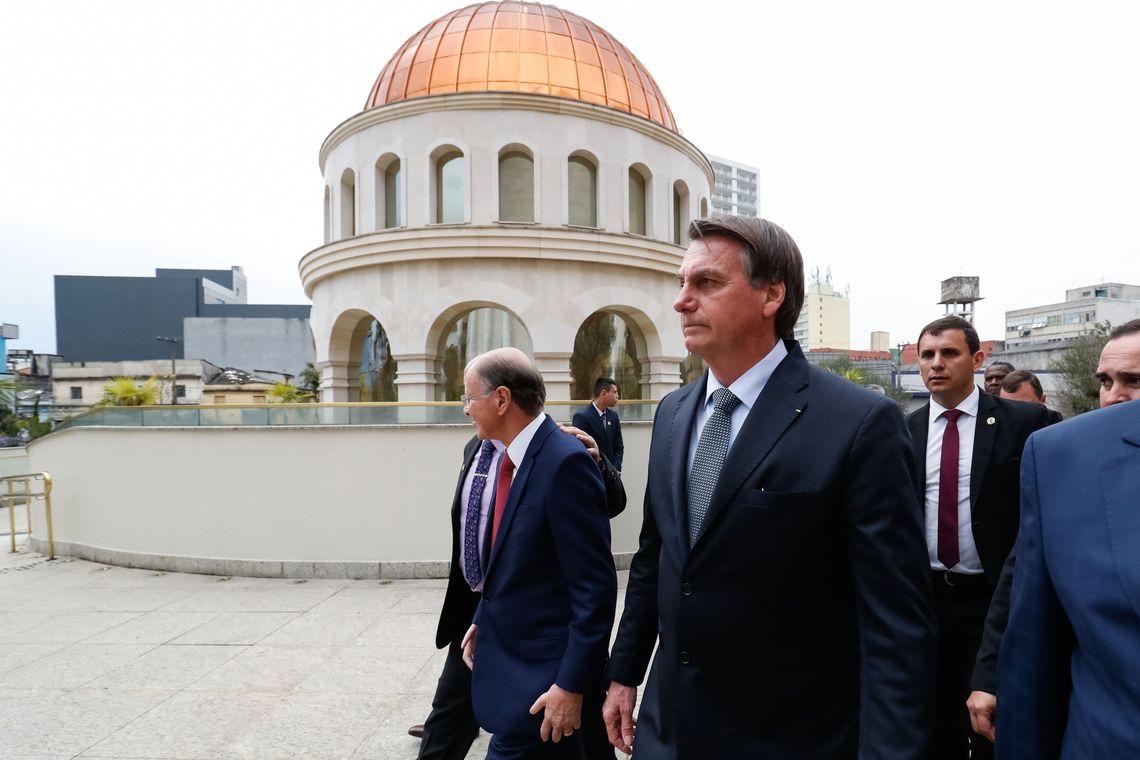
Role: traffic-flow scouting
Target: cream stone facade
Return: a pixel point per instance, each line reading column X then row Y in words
column 416, row 276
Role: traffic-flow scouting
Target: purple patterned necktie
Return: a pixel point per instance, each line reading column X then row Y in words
column 472, row 567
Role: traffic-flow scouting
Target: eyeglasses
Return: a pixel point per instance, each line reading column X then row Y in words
column 466, row 400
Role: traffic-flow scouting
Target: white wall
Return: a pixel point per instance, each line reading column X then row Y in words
column 198, row 496
column 13, row 461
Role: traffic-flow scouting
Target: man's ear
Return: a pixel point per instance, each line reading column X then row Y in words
column 979, row 357
column 774, row 293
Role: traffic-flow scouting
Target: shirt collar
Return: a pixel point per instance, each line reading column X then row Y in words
column 748, row 386
column 601, row 412
column 517, row 448
column 969, row 405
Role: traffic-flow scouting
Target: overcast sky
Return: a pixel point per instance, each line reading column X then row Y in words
column 900, row 143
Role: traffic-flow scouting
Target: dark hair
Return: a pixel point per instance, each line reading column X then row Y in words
column 1014, row 380
column 1008, row 367
column 602, row 384
column 770, row 255
column 1128, row 328
column 954, row 322
column 528, row 392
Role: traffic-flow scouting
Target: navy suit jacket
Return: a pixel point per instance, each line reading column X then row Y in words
column 799, row 624
column 607, row 436
column 1069, row 667
column 550, row 589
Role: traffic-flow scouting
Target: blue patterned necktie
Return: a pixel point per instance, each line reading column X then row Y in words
column 472, row 567
column 712, row 447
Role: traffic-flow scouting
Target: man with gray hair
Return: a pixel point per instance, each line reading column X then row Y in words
column 538, row 641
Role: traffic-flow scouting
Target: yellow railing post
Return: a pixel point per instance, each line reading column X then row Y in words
column 28, row 495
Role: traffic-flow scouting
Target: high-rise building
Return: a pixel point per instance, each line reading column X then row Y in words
column 825, row 319
column 736, row 188
column 1082, row 308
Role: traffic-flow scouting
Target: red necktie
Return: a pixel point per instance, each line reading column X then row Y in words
column 948, row 492
column 502, row 490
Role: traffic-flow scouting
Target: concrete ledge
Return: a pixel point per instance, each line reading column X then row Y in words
column 262, row 568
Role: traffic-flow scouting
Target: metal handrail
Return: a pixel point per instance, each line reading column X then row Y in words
column 27, row 495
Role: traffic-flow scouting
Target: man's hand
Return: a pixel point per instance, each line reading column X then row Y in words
column 586, row 439
column 563, row 713
column 468, row 645
column 617, row 713
column 983, row 706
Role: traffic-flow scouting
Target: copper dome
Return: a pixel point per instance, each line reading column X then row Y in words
column 520, row 47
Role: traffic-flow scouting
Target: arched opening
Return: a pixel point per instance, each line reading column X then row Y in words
column 469, row 334
column 449, row 186
column 608, row 344
column 582, row 190
column 516, row 185
column 680, row 211
column 704, row 208
column 638, row 199
column 372, row 370
column 328, row 214
column 389, row 192
column 347, row 204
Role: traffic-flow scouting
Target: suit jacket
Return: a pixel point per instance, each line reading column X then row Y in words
column 606, row 432
column 994, row 468
column 550, row 588
column 799, row 623
column 459, row 601
column 1069, row 670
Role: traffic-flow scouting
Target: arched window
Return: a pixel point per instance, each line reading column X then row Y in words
column 328, row 214
column 582, row 191
column 680, row 211
column 516, row 186
column 389, row 192
column 450, row 191
column 347, row 204
column 608, row 344
column 704, row 208
column 372, row 376
column 638, row 200
column 471, row 333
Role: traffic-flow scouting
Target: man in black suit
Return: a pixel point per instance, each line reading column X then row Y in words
column 1023, row 385
column 967, row 450
column 601, row 421
column 781, row 571
column 451, row 728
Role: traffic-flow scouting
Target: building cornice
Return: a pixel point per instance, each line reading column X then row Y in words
column 511, row 101
column 468, row 242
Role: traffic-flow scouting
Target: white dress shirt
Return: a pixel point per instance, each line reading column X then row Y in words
column 747, row 388
column 968, row 560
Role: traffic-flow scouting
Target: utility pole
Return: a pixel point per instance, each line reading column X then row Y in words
column 171, row 343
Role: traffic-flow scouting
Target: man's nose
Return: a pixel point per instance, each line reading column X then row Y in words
column 683, row 301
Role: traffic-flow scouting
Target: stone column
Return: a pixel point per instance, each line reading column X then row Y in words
column 334, row 381
column 555, row 369
column 664, row 376
column 415, row 377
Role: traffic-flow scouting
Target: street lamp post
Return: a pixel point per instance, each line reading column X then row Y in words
column 171, row 343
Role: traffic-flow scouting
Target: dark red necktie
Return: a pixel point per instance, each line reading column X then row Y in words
column 502, row 490
column 948, row 492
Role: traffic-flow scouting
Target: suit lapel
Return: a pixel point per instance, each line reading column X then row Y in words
column 777, row 407
column 1120, row 483
column 680, row 431
column 984, row 435
column 517, row 487
column 919, row 424
column 470, row 453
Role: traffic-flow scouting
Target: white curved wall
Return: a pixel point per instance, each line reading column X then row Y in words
column 280, row 502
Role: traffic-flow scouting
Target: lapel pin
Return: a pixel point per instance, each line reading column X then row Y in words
column 991, row 420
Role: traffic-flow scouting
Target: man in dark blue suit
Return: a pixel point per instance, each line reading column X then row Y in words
column 1069, row 670
column 538, row 641
column 781, row 571
column 599, row 419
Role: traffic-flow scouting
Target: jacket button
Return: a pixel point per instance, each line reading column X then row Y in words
column 687, row 589
column 685, row 659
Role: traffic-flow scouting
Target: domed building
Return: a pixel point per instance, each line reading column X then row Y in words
column 516, row 178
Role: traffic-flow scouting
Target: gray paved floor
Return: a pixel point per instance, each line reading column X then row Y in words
column 108, row 662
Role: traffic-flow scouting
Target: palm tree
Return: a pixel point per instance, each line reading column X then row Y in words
column 284, row 393
column 124, row 391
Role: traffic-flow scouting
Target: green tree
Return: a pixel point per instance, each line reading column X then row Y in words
column 843, row 367
column 124, row 391
column 284, row 393
column 1080, row 391
column 311, row 378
